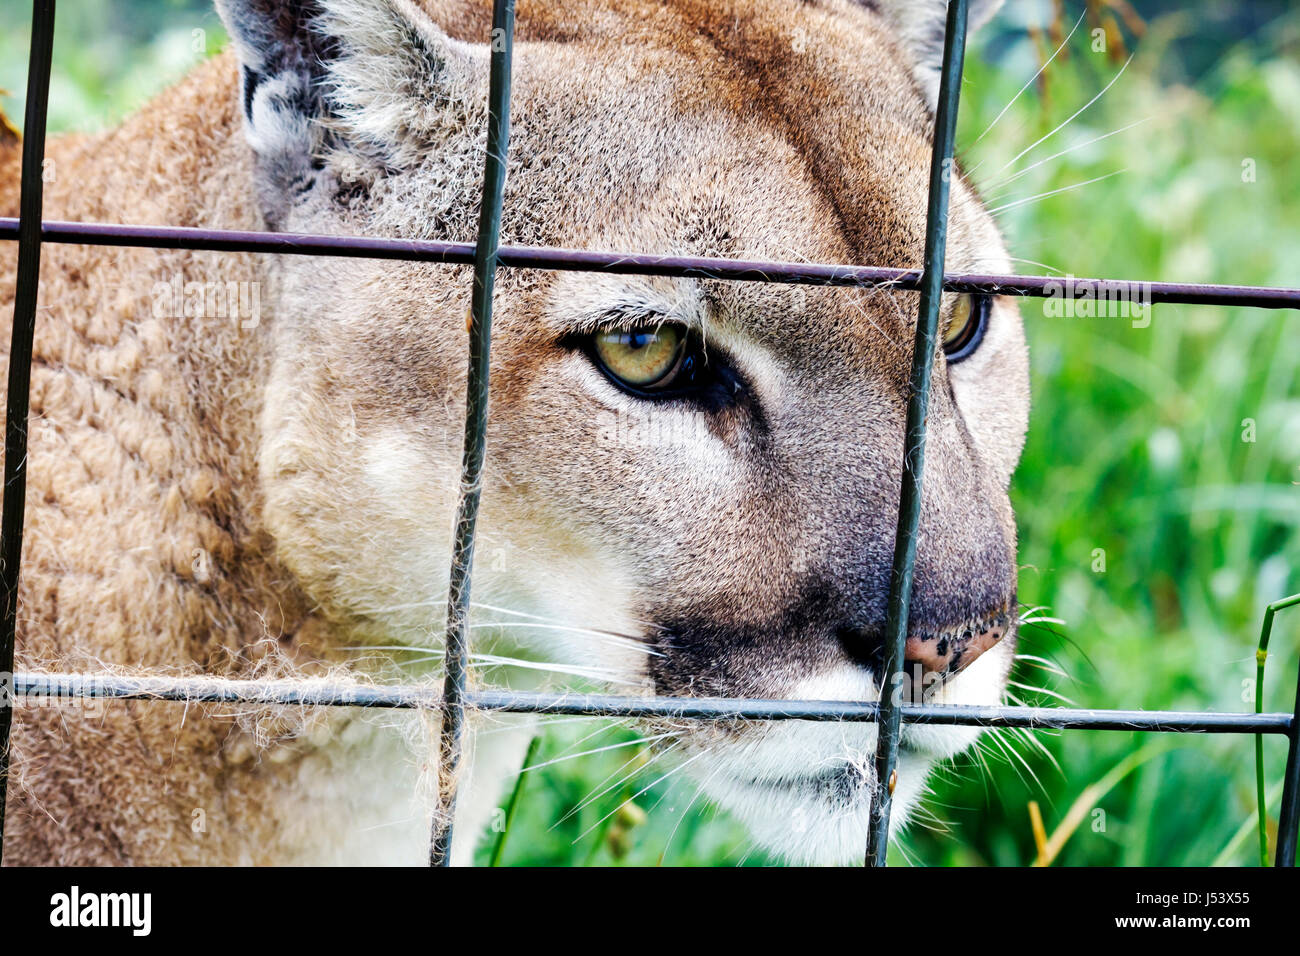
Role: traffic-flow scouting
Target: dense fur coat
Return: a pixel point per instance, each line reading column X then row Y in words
column 261, row 494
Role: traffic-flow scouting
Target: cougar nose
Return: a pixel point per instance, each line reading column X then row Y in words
column 948, row 652
column 939, row 652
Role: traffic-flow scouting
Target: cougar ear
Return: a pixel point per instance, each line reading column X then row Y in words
column 364, row 87
column 919, row 25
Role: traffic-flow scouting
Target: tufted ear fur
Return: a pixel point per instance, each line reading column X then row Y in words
column 919, row 25
column 356, row 87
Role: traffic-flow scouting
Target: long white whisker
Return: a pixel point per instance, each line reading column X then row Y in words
column 1043, row 619
column 601, row 728
column 410, row 606
column 1032, row 262
column 699, row 792
column 902, row 851
column 412, row 648
column 1053, row 192
column 1041, row 747
column 599, row 635
column 1041, row 690
column 1096, row 139
column 1031, row 80
column 547, row 723
column 617, row 783
column 487, row 661
column 576, row 670
column 549, row 620
column 1042, row 663
column 1072, row 118
column 678, row 769
column 1024, row 733
column 1008, row 748
column 597, row 750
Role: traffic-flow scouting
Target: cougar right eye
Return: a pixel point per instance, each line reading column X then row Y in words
column 648, row 359
column 964, row 328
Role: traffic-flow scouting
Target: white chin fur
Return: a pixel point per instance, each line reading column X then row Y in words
column 775, row 779
column 805, row 826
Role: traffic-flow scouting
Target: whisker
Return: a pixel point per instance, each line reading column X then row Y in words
column 1041, row 690
column 1030, row 634
column 1072, row 118
column 602, row 635
column 597, row 750
column 699, row 792
column 899, row 844
column 1000, row 184
column 1008, row 748
column 409, row 606
column 1045, row 65
column 547, row 723
column 677, row 769
column 551, row 620
column 1042, row 663
column 1031, row 262
column 618, row 783
column 1043, row 619
column 411, row 648
column 1030, row 738
column 601, row 728
column 576, row 670
column 1052, row 192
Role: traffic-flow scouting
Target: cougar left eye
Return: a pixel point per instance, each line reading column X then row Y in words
column 647, row 359
column 965, row 325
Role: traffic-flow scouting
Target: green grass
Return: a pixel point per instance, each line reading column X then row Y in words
column 1135, row 447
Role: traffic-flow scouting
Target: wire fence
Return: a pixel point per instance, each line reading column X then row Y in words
column 456, row 699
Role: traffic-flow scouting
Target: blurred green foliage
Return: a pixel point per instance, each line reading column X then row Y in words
column 109, row 57
column 1137, row 444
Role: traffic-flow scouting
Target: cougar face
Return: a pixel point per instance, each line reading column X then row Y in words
column 692, row 485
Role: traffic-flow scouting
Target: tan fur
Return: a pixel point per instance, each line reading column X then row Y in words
column 205, row 497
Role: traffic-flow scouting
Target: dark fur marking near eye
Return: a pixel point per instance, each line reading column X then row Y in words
column 351, row 193
column 722, row 391
column 251, row 82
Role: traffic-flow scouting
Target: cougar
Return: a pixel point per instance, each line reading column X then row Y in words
column 248, row 465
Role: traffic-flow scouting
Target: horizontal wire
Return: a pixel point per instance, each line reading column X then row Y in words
column 333, row 693
column 579, row 260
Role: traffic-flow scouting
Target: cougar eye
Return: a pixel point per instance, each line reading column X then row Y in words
column 965, row 325
column 650, row 358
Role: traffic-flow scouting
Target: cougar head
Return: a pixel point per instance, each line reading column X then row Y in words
column 692, row 484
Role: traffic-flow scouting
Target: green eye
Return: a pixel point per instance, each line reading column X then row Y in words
column 958, row 321
column 645, row 358
column 964, row 327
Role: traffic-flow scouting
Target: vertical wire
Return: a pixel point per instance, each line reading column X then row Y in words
column 1288, row 821
column 20, row 366
column 909, row 502
column 476, row 411
column 485, row 263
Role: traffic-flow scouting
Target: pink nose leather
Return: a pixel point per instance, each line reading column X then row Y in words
column 948, row 654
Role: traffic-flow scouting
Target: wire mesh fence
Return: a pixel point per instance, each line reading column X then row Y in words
column 456, row 699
